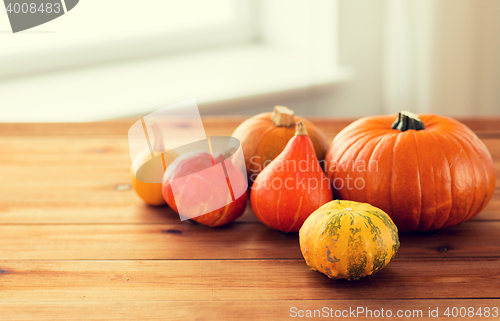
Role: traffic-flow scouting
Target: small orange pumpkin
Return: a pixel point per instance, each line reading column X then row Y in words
column 292, row 186
column 151, row 193
column 264, row 136
column 195, row 198
column 426, row 171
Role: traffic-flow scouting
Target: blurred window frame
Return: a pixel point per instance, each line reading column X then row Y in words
column 280, row 52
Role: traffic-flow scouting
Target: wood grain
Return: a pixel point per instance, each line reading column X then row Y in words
column 18, row 208
column 245, row 280
column 85, row 180
column 88, row 309
column 214, row 125
column 237, row 241
column 77, row 243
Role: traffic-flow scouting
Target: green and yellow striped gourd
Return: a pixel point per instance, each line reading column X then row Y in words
column 348, row 240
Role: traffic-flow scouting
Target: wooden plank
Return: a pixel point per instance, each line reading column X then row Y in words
column 85, row 211
column 492, row 211
column 105, row 128
column 142, row 242
column 493, row 145
column 85, row 309
column 66, row 198
column 85, row 180
column 469, row 239
column 119, row 207
column 60, row 179
column 214, row 280
column 91, row 210
column 236, row 241
column 487, row 127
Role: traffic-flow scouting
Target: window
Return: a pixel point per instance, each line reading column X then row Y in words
column 123, row 61
column 116, row 30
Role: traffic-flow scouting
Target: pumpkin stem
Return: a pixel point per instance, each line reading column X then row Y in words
column 159, row 146
column 300, row 129
column 283, row 117
column 408, row 120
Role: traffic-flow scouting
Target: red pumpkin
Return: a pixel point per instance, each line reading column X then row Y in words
column 427, row 172
column 194, row 197
column 292, row 186
column 264, row 136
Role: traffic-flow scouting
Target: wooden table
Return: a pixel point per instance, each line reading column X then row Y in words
column 77, row 243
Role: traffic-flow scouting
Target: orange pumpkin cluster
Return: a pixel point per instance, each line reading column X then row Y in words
column 426, row 172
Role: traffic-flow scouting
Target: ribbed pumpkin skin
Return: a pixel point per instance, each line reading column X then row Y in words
column 284, row 208
column 193, row 193
column 348, row 244
column 262, row 141
column 425, row 180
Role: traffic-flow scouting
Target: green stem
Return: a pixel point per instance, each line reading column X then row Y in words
column 408, row 120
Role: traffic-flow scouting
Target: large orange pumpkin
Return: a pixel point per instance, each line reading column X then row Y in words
column 427, row 172
column 264, row 136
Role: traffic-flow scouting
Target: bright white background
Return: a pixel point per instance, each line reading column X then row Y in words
column 111, row 58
